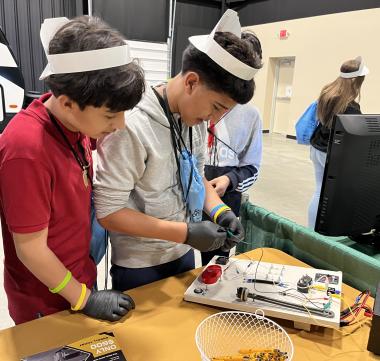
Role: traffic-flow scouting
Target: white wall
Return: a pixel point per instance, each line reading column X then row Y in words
column 153, row 58
column 320, row 45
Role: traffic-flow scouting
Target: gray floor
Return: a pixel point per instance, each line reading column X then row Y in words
column 286, row 180
column 284, row 186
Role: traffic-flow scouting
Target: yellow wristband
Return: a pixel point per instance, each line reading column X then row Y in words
column 219, row 211
column 81, row 298
column 63, row 284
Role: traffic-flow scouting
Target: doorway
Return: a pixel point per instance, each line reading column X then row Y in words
column 282, row 94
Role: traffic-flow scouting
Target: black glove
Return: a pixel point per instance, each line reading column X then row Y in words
column 205, row 236
column 108, row 305
column 235, row 230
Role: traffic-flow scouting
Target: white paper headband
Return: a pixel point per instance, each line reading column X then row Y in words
column 362, row 71
column 78, row 61
column 229, row 22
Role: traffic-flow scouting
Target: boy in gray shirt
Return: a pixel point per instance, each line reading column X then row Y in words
column 139, row 196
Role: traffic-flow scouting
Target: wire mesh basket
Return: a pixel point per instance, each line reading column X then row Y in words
column 227, row 333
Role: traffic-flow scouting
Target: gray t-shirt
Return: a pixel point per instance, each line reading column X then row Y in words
column 137, row 170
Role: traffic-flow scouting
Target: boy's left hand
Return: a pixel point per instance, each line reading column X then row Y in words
column 109, row 305
column 220, row 184
column 235, row 230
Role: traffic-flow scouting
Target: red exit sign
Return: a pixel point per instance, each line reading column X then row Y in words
column 284, row 34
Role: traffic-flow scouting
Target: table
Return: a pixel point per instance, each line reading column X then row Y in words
column 359, row 263
column 162, row 327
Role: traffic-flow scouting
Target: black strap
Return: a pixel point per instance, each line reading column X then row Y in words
column 177, row 140
column 178, row 129
column 175, row 150
column 214, row 135
column 214, row 147
column 83, row 163
column 191, row 139
column 172, row 132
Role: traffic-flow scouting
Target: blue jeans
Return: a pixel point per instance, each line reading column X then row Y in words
column 124, row 278
column 319, row 159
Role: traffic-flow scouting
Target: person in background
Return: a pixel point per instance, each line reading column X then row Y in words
column 340, row 96
column 142, row 192
column 46, row 171
column 234, row 151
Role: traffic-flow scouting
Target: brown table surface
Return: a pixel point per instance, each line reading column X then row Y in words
column 163, row 325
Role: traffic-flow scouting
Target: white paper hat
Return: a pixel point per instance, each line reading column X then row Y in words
column 362, row 71
column 78, row 61
column 229, row 22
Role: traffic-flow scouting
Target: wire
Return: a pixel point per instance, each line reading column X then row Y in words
column 284, row 292
column 355, row 309
column 246, row 255
column 360, row 323
column 234, row 261
column 305, row 298
column 343, row 333
column 237, row 271
column 257, row 267
column 308, row 300
column 356, row 322
column 255, row 277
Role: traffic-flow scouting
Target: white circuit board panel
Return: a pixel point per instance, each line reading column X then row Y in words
column 319, row 304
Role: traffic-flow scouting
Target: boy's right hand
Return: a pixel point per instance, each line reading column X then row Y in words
column 108, row 305
column 205, row 236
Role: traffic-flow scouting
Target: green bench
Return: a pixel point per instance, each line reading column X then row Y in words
column 359, row 263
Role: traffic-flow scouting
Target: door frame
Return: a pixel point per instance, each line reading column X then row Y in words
column 277, row 62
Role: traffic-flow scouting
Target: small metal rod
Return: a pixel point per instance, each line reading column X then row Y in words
column 312, row 310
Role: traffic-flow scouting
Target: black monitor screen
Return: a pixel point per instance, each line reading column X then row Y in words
column 350, row 196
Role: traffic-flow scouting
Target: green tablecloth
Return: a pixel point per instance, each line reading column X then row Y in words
column 360, row 264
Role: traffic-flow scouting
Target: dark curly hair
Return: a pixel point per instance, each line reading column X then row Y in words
column 119, row 88
column 214, row 76
column 253, row 40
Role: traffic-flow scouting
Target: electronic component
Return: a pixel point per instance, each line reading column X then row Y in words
column 222, row 260
column 274, row 287
column 198, row 290
column 331, row 279
column 211, row 274
column 243, row 294
column 332, row 291
column 253, row 280
column 304, row 283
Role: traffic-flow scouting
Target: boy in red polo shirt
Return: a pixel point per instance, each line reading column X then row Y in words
column 46, row 172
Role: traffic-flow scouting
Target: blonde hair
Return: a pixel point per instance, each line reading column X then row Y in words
column 336, row 96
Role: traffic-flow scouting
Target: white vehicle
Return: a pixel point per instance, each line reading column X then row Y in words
column 12, row 91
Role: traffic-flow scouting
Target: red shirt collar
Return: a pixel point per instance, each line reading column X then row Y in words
column 38, row 108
